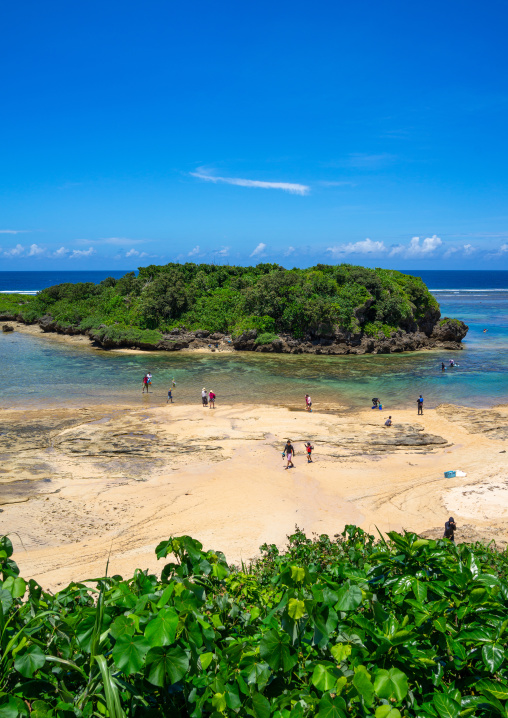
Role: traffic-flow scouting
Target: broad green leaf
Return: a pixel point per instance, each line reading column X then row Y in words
column 420, row 543
column 6, row 600
column 15, row 585
column 493, row 656
column 219, row 702
column 386, row 711
column 419, row 590
column 40, row 709
column 332, row 707
column 166, row 664
column 391, row 684
column 324, row 677
column 205, row 660
column 490, row 687
column 349, row 598
column 261, row 706
column 446, row 706
column 363, row 685
column 13, row 707
column 161, row 631
column 129, row 653
column 29, row 661
column 219, row 571
column 296, row 609
column 122, row 626
column 341, row 651
column 297, row 573
column 6, row 546
column 274, row 649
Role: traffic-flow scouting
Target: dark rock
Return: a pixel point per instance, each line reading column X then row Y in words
column 449, row 330
column 202, row 333
column 216, row 336
column 7, row 328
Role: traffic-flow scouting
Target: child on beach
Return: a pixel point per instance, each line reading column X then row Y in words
column 309, row 448
column 308, row 403
column 170, row 396
column 211, row 399
column 388, row 422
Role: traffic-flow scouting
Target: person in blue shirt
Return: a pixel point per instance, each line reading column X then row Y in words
column 419, row 403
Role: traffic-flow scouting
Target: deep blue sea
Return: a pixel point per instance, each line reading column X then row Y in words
column 44, row 372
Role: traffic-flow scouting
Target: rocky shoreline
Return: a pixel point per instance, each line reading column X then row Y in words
column 445, row 333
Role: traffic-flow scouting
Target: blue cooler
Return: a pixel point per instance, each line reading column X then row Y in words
column 449, row 474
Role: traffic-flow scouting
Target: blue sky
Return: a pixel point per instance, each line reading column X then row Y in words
column 366, row 132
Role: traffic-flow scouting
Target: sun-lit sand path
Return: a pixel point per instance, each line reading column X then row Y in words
column 79, row 484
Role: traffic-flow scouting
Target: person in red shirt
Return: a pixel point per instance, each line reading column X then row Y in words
column 211, row 400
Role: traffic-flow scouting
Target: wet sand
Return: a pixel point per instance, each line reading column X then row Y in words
column 79, row 484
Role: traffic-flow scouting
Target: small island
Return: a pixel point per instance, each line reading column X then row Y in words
column 326, row 309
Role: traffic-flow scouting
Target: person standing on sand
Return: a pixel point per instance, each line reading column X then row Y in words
column 308, row 403
column 145, row 384
column 309, row 448
column 170, row 396
column 204, row 397
column 211, row 400
column 449, row 529
column 419, row 403
column 290, row 452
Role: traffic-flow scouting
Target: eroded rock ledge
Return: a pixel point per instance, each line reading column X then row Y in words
column 446, row 334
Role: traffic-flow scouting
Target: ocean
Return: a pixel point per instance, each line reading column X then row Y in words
column 40, row 372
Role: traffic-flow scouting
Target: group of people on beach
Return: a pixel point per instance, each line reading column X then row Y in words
column 208, row 398
column 289, row 452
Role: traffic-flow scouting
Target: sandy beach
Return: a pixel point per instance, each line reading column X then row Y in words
column 78, row 485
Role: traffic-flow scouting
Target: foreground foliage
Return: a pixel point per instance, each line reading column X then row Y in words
column 328, row 628
column 232, row 300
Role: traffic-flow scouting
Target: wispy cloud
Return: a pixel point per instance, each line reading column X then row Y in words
column 415, row 248
column 289, row 251
column 135, row 253
column 365, row 246
column 80, row 253
column 16, row 251
column 14, row 231
column 259, row 251
column 194, row 252
column 223, row 252
column 468, row 249
column 62, row 252
column 290, row 187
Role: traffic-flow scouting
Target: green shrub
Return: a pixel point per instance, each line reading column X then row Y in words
column 327, row 628
column 266, row 338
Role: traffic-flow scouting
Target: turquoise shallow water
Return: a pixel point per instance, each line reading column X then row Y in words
column 41, row 372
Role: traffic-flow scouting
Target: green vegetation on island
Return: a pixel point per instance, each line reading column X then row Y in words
column 300, row 303
column 328, row 628
column 234, row 299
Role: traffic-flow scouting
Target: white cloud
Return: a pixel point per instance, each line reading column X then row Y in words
column 14, row 231
column 415, row 249
column 449, row 252
column 223, row 252
column 289, row 251
column 16, row 251
column 35, row 250
column 135, row 253
column 79, row 253
column 503, row 248
column 259, row 250
column 290, row 187
column 468, row 249
column 62, row 252
column 365, row 246
column 194, row 251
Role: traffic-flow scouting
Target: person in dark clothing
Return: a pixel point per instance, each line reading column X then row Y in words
column 419, row 402
column 449, row 529
column 443, row 366
column 375, row 403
